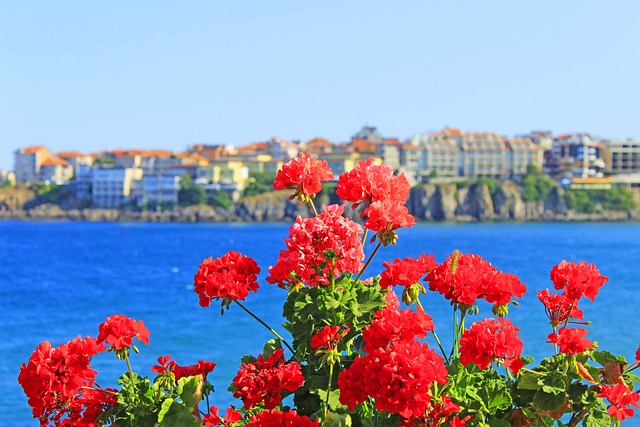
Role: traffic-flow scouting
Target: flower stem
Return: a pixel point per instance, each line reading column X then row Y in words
column 435, row 335
column 313, row 207
column 326, row 403
column 273, row 331
column 369, row 260
column 126, row 359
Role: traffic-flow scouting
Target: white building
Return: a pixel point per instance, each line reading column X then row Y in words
column 157, row 190
column 114, row 187
column 28, row 161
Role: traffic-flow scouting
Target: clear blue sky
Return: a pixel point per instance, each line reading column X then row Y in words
column 81, row 75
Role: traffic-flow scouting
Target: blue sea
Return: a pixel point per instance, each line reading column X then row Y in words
column 62, row 279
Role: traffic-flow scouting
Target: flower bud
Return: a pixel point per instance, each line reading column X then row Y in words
column 411, row 293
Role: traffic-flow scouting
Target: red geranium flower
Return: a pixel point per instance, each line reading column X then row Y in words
column 570, row 340
column 328, row 337
column 368, row 183
column 280, row 419
column 202, row 368
column 119, row 331
column 406, row 272
column 620, row 397
column 489, row 340
column 386, row 216
column 390, row 326
column 59, row 382
column 212, row 419
column 577, row 279
column 318, row 249
column 265, row 379
column 559, row 308
column 229, row 277
column 398, row 380
column 461, row 278
column 305, row 174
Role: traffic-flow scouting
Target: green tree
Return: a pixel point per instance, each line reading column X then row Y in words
column 50, row 193
column 220, row 199
column 259, row 182
column 190, row 193
column 491, row 184
column 536, row 185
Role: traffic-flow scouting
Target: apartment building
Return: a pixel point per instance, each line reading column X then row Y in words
column 157, row 189
column 28, row 161
column 55, row 170
column 621, row 157
column 576, row 155
column 114, row 187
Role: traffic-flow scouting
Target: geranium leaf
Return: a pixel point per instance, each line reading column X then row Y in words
column 173, row 414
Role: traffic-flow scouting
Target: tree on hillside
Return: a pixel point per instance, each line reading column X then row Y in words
column 190, row 193
column 259, row 182
column 536, row 185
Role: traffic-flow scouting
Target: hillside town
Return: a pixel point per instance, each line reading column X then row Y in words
column 122, row 178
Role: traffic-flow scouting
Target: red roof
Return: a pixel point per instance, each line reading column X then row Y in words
column 55, row 161
column 69, row 154
column 33, row 149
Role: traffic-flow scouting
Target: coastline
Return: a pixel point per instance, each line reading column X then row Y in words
column 201, row 214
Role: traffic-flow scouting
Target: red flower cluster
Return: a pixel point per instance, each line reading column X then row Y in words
column 489, row 340
column 577, row 279
column 318, row 249
column 399, row 379
column 212, row 419
column 620, row 397
column 465, row 278
column 305, row 174
column 280, row 419
column 406, row 272
column 437, row 414
column 166, row 365
column 368, row 183
column 390, row 326
column 384, row 217
column 265, row 379
column 229, row 277
column 119, row 330
column 328, row 337
column 59, row 383
column 398, row 371
column 570, row 340
column 559, row 308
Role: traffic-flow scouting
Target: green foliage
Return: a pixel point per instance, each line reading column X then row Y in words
column 105, row 161
column 220, row 199
column 618, row 198
column 536, row 185
column 491, row 184
column 259, row 182
column 190, row 193
column 50, row 193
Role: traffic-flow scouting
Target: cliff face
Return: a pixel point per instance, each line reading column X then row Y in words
column 427, row 202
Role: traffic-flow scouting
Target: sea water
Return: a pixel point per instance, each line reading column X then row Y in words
column 59, row 280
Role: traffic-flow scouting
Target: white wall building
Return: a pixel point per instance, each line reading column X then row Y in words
column 114, row 187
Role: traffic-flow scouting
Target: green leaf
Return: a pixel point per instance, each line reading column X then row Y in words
column 495, row 396
column 188, row 387
column 529, row 381
column 337, row 420
column 549, row 401
column 498, row 422
column 554, row 384
column 173, row 414
column 604, row 357
column 271, row 346
column 597, row 419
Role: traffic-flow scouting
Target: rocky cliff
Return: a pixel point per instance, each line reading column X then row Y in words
column 427, row 202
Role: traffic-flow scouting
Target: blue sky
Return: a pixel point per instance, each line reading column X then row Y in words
column 78, row 75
